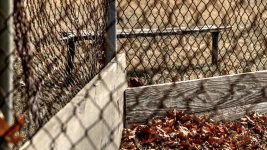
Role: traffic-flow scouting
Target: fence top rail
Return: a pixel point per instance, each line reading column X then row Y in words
column 132, row 33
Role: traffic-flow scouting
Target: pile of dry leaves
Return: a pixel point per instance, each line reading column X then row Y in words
column 183, row 131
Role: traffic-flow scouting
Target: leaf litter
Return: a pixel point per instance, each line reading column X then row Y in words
column 178, row 130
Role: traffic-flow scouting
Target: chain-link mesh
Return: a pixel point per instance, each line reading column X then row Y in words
column 180, row 56
column 51, row 65
column 59, row 48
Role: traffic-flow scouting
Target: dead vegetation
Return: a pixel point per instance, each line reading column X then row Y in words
column 184, row 57
column 178, row 130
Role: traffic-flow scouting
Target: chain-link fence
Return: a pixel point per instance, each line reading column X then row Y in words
column 193, row 39
column 51, row 65
column 53, row 61
column 60, row 45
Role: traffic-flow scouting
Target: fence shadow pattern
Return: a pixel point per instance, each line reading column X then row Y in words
column 164, row 41
column 49, row 67
column 225, row 97
column 179, row 56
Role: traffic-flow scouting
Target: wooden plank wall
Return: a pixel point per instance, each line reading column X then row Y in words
column 94, row 117
column 224, row 97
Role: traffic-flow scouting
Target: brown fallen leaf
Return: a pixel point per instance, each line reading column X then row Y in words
column 3, row 127
column 258, row 128
column 134, row 82
column 10, row 133
column 184, row 131
column 215, row 140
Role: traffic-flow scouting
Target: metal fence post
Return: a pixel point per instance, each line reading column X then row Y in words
column 70, row 59
column 6, row 48
column 111, row 37
column 215, row 47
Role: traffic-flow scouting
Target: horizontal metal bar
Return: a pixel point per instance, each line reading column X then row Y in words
column 132, row 33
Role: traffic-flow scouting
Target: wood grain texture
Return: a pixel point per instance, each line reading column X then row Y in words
column 93, row 119
column 195, row 96
column 236, row 112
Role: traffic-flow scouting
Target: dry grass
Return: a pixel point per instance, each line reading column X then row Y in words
column 174, row 58
column 47, row 20
column 154, row 60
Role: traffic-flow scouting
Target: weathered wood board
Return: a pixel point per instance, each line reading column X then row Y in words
column 233, row 113
column 94, row 117
column 195, row 96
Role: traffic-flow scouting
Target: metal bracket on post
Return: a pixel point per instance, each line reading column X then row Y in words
column 215, row 47
column 110, row 36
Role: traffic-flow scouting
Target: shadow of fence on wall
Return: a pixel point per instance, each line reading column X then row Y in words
column 225, row 97
column 94, row 117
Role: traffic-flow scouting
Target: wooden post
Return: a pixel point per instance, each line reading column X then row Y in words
column 111, row 37
column 6, row 62
column 215, row 47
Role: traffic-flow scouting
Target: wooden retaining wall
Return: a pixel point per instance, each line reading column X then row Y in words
column 225, row 97
column 94, row 117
